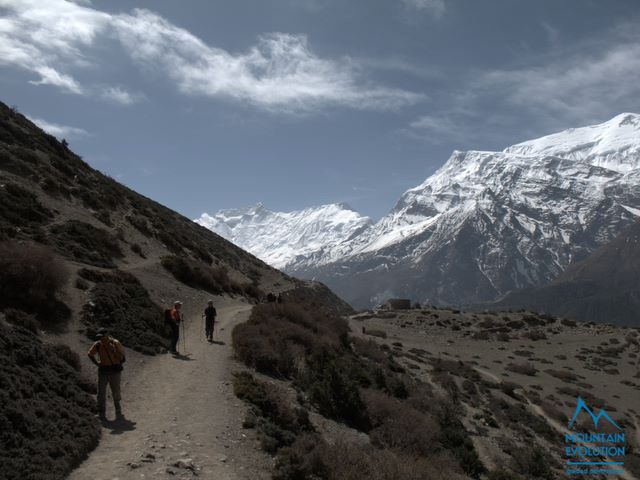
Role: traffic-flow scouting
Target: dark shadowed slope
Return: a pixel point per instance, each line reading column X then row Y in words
column 605, row 287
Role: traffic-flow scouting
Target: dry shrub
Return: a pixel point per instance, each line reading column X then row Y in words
column 86, row 244
column 400, row 427
column 30, row 278
column 252, row 290
column 563, row 375
column 501, row 474
column 121, row 303
column 368, row 349
column 534, row 335
column 67, row 355
column 519, row 418
column 310, row 457
column 47, row 422
column 313, row 349
column 522, row 368
column 21, row 319
column 554, row 412
column 20, row 211
column 532, row 463
column 199, row 275
column 376, row 333
column 278, row 422
column 277, row 335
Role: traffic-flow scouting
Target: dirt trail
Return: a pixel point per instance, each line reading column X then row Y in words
column 181, row 417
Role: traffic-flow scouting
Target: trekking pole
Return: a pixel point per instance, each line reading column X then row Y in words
column 184, row 338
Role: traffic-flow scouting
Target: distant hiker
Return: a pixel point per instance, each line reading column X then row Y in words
column 279, row 299
column 173, row 318
column 210, row 320
column 111, row 356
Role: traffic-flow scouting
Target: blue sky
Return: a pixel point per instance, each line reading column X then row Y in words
column 204, row 105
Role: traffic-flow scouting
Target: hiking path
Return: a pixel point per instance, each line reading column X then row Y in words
column 182, row 419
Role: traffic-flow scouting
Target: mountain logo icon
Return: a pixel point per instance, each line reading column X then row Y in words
column 582, row 406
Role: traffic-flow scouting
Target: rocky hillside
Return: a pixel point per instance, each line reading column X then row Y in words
column 78, row 250
column 605, row 287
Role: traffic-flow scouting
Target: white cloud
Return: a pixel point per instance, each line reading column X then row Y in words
column 50, row 76
column 59, row 131
column 48, row 37
column 120, row 96
column 435, row 7
column 553, row 34
column 281, row 72
column 590, row 83
column 574, row 87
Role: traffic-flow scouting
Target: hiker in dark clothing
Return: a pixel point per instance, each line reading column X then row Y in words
column 111, row 356
column 210, row 320
column 175, row 317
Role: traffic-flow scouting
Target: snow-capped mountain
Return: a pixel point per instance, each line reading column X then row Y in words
column 485, row 223
column 281, row 238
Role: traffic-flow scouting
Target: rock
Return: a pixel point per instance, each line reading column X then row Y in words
column 185, row 463
column 223, row 459
column 133, row 465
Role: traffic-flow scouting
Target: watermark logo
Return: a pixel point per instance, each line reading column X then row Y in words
column 597, row 451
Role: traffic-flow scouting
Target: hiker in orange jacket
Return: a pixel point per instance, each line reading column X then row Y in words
column 175, row 318
column 111, row 356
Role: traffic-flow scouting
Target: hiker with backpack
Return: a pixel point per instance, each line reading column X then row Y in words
column 173, row 318
column 111, row 356
column 210, row 320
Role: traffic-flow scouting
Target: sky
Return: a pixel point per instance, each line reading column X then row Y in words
column 206, row 105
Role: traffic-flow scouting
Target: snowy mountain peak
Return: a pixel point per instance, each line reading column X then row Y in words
column 483, row 224
column 281, row 237
column 614, row 144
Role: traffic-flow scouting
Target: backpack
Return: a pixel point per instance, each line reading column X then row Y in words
column 168, row 319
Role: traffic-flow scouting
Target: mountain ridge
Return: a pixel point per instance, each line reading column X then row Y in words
column 486, row 223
